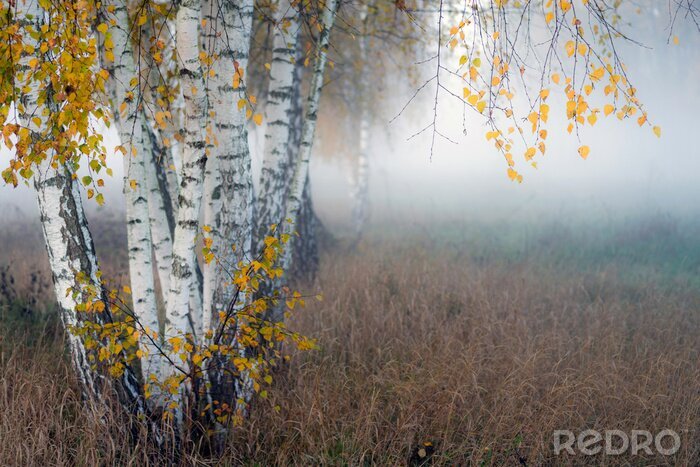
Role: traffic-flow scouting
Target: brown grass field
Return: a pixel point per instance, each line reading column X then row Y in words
column 471, row 346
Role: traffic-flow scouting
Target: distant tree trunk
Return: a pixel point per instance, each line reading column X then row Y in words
column 361, row 176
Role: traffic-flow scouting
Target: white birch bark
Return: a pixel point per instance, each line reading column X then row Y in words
column 229, row 195
column 133, row 140
column 156, row 75
column 301, row 164
column 68, row 239
column 279, row 115
column 183, row 274
column 361, row 179
column 160, row 224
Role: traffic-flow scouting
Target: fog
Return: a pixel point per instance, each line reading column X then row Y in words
column 629, row 171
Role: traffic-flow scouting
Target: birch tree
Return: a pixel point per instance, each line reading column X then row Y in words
column 124, row 88
column 297, row 185
column 360, row 180
column 229, row 195
column 42, row 140
column 280, row 115
column 179, row 319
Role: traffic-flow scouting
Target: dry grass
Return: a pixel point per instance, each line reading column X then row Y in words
column 483, row 357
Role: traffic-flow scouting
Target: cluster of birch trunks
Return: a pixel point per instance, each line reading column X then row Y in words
column 207, row 140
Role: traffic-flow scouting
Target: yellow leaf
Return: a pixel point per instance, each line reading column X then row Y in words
column 480, row 106
column 570, row 48
column 657, row 131
column 257, row 118
column 583, row 151
column 675, row 40
column 548, row 17
column 132, row 184
column 555, row 78
column 241, row 103
column 608, row 109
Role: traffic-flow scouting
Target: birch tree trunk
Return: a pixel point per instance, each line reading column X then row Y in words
column 160, row 217
column 305, row 260
column 295, row 196
column 68, row 239
column 128, row 119
column 280, row 115
column 229, row 205
column 361, row 179
column 179, row 317
column 161, row 172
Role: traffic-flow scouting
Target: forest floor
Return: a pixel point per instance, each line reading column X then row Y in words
column 468, row 345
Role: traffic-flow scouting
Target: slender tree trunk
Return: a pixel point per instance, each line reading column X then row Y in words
column 160, row 174
column 281, row 113
column 361, row 176
column 161, row 220
column 295, row 199
column 128, row 118
column 305, row 256
column 304, row 248
column 179, row 317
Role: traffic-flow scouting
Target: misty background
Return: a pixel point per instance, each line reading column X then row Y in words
column 629, row 172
